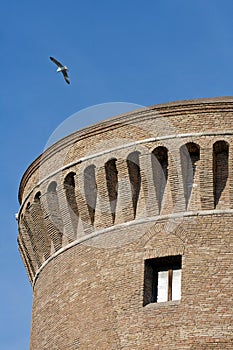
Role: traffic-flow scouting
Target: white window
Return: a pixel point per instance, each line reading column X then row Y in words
column 162, row 280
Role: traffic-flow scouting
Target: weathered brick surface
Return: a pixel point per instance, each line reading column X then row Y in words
column 89, row 219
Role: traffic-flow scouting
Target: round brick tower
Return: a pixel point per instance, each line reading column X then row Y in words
column 126, row 232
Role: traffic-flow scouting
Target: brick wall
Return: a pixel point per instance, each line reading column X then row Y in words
column 151, row 183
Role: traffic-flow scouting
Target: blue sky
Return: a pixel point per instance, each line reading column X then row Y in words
column 142, row 52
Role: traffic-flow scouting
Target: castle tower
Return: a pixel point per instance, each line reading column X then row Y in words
column 126, row 232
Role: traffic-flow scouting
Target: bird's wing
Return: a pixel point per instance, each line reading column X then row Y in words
column 56, row 62
column 64, row 72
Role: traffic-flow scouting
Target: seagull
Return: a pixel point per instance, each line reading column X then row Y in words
column 62, row 69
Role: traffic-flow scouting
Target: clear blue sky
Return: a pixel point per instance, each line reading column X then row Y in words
column 143, row 52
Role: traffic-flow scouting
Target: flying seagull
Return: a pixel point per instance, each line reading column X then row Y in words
column 62, row 69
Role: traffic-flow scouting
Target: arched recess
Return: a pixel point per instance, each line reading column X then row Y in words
column 220, row 171
column 52, row 187
column 112, row 185
column 56, row 225
column 134, row 177
column 37, row 197
column 69, row 186
column 90, row 189
column 159, row 161
column 190, row 155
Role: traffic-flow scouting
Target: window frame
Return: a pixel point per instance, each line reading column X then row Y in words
column 152, row 267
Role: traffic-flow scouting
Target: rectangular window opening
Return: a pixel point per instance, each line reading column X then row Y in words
column 162, row 279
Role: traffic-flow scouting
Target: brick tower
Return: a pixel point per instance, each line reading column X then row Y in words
column 126, row 232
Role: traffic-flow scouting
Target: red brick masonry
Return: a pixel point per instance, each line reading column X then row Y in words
column 155, row 182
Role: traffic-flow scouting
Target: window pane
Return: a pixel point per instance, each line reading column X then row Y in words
column 176, row 285
column 162, row 286
column 162, row 279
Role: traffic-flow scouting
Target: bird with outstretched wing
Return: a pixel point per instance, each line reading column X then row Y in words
column 61, row 68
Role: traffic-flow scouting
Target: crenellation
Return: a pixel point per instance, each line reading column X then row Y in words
column 85, row 224
column 147, row 196
column 206, row 178
column 28, row 224
column 37, row 223
column 69, row 207
column 103, row 214
column 176, row 182
column 124, row 206
column 26, row 251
